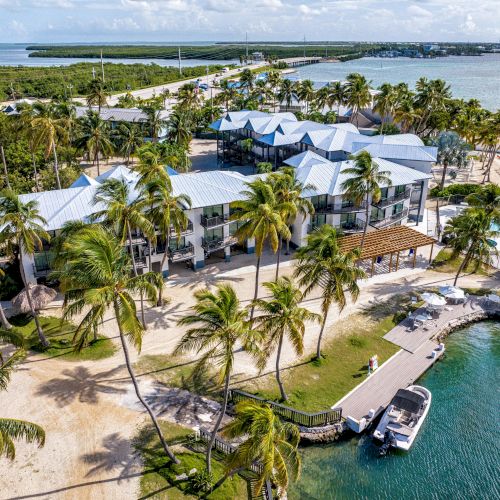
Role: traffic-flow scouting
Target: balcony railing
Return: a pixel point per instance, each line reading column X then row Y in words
column 217, row 220
column 189, row 229
column 391, row 200
column 213, row 245
column 339, row 209
column 379, row 223
column 313, row 227
column 181, row 254
column 351, row 226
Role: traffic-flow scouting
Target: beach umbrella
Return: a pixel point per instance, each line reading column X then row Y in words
column 433, row 300
column 494, row 298
column 452, row 292
column 41, row 295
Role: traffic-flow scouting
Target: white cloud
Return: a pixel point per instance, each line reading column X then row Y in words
column 415, row 10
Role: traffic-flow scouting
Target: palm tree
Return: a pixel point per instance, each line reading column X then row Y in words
column 189, row 98
column 218, row 325
column 431, row 97
column 451, row 151
column 337, row 95
column 286, row 92
column 95, row 137
column 288, row 191
column 364, row 182
column 168, row 214
column 4, row 129
column 49, row 129
column 151, row 167
column 281, row 316
column 23, row 233
column 26, row 115
column 405, row 114
column 260, row 217
column 11, row 429
column 155, row 120
column 321, row 264
column 128, row 139
column 274, row 80
column 96, row 277
column 357, row 91
column 384, row 103
column 227, row 94
column 247, row 80
column 306, row 92
column 122, row 215
column 487, row 198
column 268, row 441
column 97, row 95
column 471, row 233
column 179, row 128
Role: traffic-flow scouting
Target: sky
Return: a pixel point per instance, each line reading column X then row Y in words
column 264, row 20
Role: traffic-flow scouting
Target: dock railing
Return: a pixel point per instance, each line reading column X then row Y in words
column 298, row 417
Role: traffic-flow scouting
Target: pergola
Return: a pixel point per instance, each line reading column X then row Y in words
column 390, row 241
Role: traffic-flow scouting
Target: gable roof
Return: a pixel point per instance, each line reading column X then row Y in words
column 84, row 180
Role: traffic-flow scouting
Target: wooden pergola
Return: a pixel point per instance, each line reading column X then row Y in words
column 390, row 241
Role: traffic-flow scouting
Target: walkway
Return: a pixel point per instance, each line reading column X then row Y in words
column 407, row 365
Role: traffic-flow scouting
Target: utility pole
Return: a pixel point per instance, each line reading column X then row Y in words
column 180, row 68
column 70, row 87
column 93, row 73
column 246, row 47
column 102, row 68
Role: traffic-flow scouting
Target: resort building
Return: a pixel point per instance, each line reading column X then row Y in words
column 210, row 232
column 256, row 136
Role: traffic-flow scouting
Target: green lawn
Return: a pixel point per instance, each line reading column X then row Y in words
column 158, row 480
column 443, row 263
column 59, row 334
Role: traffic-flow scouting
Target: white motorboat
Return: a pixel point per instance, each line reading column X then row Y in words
column 403, row 418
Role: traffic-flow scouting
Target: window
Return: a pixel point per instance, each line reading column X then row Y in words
column 347, row 218
column 347, row 202
column 319, row 202
column 376, row 214
column 176, row 244
column 383, row 193
column 397, row 209
column 213, row 211
column 214, row 234
column 233, row 227
column 318, row 220
column 399, row 190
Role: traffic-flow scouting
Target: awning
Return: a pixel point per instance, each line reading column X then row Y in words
column 408, row 400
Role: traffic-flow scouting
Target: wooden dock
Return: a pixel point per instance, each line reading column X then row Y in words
column 408, row 364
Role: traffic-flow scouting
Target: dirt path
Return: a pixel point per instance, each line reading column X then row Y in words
column 81, row 404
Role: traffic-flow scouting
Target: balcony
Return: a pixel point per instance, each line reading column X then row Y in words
column 341, row 209
column 391, row 200
column 213, row 245
column 380, row 223
column 181, row 254
column 43, row 264
column 313, row 227
column 189, row 229
column 351, row 226
column 217, row 220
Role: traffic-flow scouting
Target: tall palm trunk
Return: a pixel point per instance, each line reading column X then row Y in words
column 462, row 266
column 5, row 171
column 56, row 165
column 163, row 260
column 3, row 319
column 35, row 171
column 322, row 330
column 256, row 290
column 27, row 287
column 438, row 220
column 278, row 375
column 278, row 260
column 97, row 162
column 137, row 390
column 217, row 425
column 367, row 218
column 134, row 265
column 443, row 178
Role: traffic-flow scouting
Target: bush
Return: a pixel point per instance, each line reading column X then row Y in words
column 455, row 190
column 264, row 167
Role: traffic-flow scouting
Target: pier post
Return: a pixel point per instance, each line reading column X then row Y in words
column 373, row 265
column 390, row 263
column 414, row 256
column 397, row 261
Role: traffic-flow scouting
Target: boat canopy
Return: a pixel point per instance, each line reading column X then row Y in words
column 408, row 400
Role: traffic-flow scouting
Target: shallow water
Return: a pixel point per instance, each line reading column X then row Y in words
column 457, row 452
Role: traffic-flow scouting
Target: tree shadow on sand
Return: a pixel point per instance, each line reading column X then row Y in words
column 117, row 455
column 79, row 384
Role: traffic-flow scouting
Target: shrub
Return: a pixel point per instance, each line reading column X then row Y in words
column 264, row 167
column 455, row 190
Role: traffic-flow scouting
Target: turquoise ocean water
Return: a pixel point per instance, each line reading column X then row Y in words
column 457, row 452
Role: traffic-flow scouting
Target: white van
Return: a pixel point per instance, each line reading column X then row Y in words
column 225, row 70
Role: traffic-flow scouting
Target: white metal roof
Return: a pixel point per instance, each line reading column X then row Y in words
column 84, row 180
column 130, row 115
column 398, row 151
